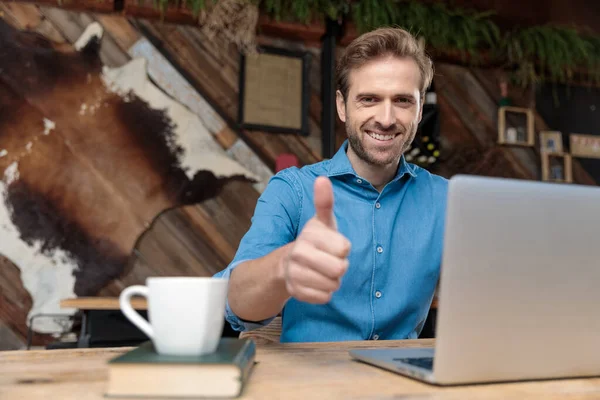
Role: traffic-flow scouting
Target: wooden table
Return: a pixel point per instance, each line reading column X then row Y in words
column 104, row 325
column 101, row 303
column 284, row 371
column 102, row 321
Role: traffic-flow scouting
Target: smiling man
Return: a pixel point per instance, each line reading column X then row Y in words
column 350, row 248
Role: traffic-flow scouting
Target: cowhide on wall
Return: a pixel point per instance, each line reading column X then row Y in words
column 88, row 157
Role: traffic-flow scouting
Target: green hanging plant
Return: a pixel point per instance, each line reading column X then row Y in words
column 441, row 27
column 544, row 53
column 196, row 6
column 535, row 54
column 303, row 10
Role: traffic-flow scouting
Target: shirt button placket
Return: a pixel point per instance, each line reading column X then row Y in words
column 379, row 250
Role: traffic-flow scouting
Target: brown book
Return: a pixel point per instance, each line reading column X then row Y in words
column 142, row 372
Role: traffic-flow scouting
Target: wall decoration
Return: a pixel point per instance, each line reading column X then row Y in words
column 72, row 206
column 584, row 146
column 551, row 142
column 174, row 84
column 275, row 91
column 557, row 168
column 516, row 126
column 577, row 115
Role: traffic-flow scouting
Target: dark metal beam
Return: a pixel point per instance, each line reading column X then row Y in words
column 328, row 87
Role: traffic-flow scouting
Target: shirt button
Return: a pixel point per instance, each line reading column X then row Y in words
column 359, row 181
column 378, row 294
column 375, row 337
column 380, row 249
column 377, row 205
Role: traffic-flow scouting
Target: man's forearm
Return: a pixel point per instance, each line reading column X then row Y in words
column 257, row 287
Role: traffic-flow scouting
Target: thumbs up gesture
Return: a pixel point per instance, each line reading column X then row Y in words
column 317, row 260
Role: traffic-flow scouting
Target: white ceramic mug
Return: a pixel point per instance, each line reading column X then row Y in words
column 186, row 314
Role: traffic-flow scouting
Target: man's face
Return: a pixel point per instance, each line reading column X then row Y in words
column 382, row 110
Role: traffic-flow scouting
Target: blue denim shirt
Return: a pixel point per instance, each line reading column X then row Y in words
column 395, row 258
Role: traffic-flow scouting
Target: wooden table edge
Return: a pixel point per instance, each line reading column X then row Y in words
column 101, row 303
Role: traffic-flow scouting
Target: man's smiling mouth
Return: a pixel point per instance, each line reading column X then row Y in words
column 383, row 137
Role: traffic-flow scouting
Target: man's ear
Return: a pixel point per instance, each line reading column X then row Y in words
column 421, row 109
column 340, row 105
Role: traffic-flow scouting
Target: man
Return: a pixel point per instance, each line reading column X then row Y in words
column 350, row 248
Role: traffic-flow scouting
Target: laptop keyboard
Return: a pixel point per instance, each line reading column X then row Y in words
column 422, row 362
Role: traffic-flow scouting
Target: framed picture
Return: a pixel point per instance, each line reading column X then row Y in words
column 516, row 126
column 557, row 167
column 274, row 91
column 584, row 146
column 551, row 142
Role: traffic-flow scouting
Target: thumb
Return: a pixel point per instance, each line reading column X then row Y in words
column 324, row 202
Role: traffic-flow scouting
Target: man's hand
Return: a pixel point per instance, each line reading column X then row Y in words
column 317, row 260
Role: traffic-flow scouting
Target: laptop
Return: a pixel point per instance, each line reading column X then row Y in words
column 519, row 294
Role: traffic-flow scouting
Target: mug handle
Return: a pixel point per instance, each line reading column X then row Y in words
column 129, row 311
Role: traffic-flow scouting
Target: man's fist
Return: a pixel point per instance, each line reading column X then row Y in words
column 318, row 259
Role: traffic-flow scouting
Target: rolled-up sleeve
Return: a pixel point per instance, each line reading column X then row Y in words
column 274, row 224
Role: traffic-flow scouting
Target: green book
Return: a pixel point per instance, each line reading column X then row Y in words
column 142, row 372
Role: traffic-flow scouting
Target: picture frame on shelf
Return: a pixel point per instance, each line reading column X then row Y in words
column 274, row 91
column 516, row 126
column 584, row 146
column 551, row 142
column 557, row 167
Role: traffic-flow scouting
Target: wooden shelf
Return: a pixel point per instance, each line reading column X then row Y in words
column 508, row 133
column 566, row 167
column 101, row 303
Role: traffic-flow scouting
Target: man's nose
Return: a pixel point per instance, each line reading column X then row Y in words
column 385, row 115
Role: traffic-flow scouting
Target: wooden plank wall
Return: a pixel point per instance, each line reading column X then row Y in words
column 15, row 303
column 213, row 69
column 469, row 99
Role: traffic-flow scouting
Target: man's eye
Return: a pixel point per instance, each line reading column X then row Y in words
column 368, row 99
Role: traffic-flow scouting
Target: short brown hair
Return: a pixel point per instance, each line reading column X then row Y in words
column 380, row 43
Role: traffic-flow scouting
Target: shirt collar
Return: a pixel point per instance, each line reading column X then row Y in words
column 340, row 165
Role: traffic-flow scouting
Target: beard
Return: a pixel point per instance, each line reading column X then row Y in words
column 369, row 157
